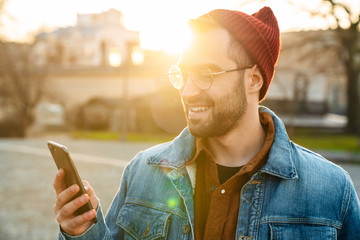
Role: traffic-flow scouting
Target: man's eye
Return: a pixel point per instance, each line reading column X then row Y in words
column 203, row 72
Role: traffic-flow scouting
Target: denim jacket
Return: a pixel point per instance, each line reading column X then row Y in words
column 296, row 195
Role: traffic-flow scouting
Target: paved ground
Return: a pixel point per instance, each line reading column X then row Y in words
column 27, row 172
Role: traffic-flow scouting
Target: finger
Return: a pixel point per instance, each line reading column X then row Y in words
column 59, row 183
column 65, row 196
column 90, row 191
column 68, row 210
column 84, row 218
column 78, row 222
column 86, row 185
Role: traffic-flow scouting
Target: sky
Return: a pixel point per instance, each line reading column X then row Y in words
column 162, row 23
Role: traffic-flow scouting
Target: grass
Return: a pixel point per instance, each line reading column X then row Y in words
column 131, row 137
column 309, row 138
column 326, row 140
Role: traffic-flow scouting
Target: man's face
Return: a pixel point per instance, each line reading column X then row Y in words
column 215, row 111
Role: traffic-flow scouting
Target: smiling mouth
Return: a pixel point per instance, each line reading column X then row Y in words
column 198, row 109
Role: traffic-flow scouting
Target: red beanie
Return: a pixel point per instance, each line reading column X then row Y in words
column 259, row 35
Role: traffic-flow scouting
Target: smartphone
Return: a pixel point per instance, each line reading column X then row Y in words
column 62, row 159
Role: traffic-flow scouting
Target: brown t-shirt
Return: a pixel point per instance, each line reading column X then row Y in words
column 217, row 205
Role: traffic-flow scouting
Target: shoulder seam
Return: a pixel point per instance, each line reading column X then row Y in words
column 346, row 199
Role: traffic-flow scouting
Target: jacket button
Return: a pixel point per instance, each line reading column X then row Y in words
column 186, row 229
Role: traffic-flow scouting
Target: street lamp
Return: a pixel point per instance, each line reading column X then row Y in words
column 135, row 57
column 114, row 57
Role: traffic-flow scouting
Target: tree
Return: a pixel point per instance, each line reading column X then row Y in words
column 309, row 57
column 347, row 30
column 21, row 87
column 345, row 22
column 21, row 84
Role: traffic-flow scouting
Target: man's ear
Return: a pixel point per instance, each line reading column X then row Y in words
column 254, row 80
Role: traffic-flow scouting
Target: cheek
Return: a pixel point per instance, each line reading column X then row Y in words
column 221, row 90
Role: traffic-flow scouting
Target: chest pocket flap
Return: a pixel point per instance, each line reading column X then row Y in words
column 302, row 231
column 142, row 222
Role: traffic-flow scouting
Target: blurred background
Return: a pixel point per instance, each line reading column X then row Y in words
column 92, row 75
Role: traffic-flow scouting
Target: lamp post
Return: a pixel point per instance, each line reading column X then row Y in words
column 135, row 57
column 115, row 58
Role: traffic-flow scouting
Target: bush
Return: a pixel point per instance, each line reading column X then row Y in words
column 11, row 128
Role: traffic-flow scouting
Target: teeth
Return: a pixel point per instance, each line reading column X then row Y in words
column 199, row 109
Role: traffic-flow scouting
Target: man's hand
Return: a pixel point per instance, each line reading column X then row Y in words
column 65, row 211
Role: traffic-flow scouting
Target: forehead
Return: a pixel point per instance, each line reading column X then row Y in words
column 208, row 47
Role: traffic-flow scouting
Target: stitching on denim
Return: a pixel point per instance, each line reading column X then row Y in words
column 285, row 220
column 185, row 236
column 137, row 236
column 247, row 227
column 261, row 187
column 242, row 194
column 335, row 233
column 274, row 230
column 176, row 182
column 255, row 182
column 160, row 207
column 252, row 220
column 183, row 195
column 257, row 210
column 280, row 175
column 346, row 200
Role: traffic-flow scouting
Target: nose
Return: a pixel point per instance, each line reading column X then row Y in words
column 189, row 89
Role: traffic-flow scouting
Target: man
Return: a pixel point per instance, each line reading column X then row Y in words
column 232, row 173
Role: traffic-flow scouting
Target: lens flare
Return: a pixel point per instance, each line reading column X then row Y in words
column 172, row 202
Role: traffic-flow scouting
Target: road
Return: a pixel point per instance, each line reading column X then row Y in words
column 27, row 172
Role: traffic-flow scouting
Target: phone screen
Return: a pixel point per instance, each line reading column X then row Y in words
column 63, row 160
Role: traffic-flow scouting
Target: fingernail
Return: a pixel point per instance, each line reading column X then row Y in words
column 83, row 198
column 74, row 188
column 92, row 213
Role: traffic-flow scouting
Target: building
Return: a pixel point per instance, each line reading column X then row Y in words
column 87, row 44
column 309, row 78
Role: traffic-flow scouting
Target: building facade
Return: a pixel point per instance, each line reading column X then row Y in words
column 87, row 44
column 309, row 77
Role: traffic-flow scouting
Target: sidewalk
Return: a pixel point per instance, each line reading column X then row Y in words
column 27, row 172
column 324, row 121
column 340, row 156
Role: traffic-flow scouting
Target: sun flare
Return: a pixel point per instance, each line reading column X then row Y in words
column 161, row 23
column 171, row 37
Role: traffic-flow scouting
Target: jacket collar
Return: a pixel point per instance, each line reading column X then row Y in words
column 176, row 153
column 280, row 162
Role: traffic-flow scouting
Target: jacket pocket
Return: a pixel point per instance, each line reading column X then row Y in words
column 302, row 231
column 142, row 222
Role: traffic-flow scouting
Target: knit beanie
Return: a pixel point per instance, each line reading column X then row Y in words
column 259, row 35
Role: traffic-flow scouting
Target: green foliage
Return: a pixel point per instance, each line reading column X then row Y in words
column 131, row 137
column 326, row 140
column 313, row 139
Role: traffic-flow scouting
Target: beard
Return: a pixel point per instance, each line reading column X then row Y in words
column 226, row 113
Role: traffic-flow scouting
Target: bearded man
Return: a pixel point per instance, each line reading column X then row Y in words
column 232, row 173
